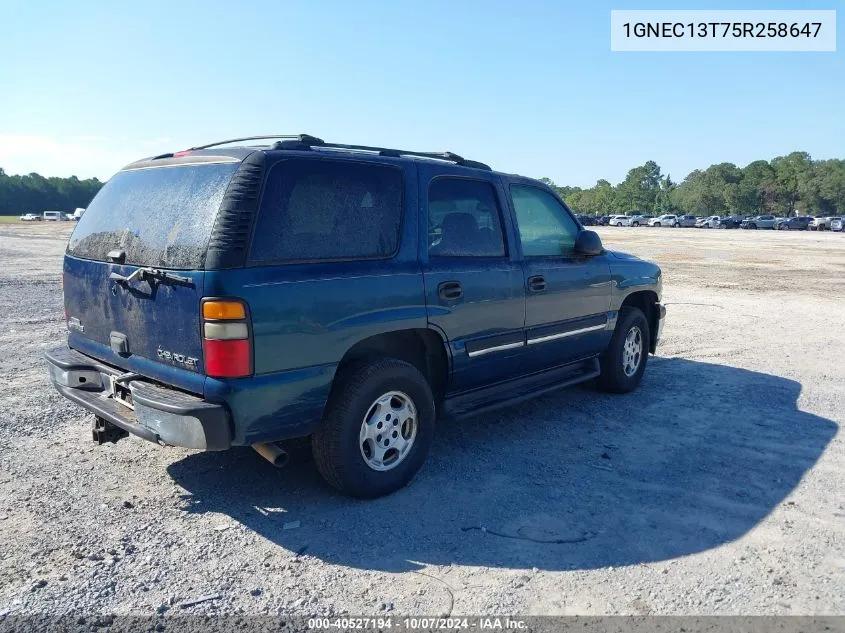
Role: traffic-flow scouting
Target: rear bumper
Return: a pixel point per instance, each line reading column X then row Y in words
column 160, row 415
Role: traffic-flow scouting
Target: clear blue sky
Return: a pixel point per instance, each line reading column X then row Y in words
column 527, row 86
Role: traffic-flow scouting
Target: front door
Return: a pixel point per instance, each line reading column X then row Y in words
column 473, row 282
column 567, row 295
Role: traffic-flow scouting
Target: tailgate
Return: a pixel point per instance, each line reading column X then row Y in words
column 136, row 325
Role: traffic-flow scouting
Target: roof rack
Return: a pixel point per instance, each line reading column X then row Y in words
column 384, row 151
column 306, row 141
column 302, row 138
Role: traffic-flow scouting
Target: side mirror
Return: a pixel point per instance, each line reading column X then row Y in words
column 588, row 243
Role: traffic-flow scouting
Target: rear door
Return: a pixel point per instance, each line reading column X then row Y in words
column 133, row 274
column 473, row 280
column 567, row 295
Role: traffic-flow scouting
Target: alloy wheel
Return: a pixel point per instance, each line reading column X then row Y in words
column 388, row 431
column 632, row 352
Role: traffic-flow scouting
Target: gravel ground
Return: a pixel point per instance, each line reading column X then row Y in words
column 716, row 488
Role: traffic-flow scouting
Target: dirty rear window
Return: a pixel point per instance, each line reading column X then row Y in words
column 160, row 217
column 328, row 210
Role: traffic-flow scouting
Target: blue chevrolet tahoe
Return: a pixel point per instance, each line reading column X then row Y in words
column 250, row 291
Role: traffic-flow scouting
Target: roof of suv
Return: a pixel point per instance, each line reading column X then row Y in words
column 214, row 152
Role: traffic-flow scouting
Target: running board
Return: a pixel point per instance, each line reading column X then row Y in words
column 524, row 388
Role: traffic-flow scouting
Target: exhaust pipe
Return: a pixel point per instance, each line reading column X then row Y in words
column 272, row 452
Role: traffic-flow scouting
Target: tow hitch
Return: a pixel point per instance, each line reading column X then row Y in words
column 104, row 431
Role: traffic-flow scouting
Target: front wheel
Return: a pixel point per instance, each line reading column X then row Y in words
column 656, row 224
column 635, row 224
column 623, row 362
column 377, row 428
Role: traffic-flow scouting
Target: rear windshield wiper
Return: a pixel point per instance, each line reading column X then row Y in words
column 150, row 273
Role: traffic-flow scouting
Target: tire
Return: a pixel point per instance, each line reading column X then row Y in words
column 338, row 450
column 635, row 223
column 613, row 377
column 753, row 227
column 656, row 224
column 676, row 225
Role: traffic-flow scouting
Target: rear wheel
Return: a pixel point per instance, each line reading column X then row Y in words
column 377, row 428
column 623, row 362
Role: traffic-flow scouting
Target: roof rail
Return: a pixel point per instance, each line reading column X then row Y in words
column 302, row 138
column 309, row 141
column 306, row 141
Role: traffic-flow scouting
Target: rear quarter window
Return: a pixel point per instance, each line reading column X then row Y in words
column 314, row 210
column 160, row 216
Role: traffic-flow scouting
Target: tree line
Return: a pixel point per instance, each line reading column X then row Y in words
column 34, row 193
column 787, row 185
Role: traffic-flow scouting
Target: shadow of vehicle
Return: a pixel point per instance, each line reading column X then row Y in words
column 693, row 459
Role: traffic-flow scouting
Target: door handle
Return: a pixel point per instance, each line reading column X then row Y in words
column 537, row 283
column 450, row 290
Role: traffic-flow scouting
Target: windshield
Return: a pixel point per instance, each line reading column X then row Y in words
column 159, row 217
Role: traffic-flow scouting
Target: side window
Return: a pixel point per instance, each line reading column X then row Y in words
column 328, row 210
column 545, row 227
column 463, row 219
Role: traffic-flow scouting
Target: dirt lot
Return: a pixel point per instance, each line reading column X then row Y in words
column 716, row 488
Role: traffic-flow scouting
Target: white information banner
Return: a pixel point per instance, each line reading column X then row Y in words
column 723, row 30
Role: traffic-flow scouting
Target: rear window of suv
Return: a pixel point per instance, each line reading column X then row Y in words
column 160, row 216
column 314, row 210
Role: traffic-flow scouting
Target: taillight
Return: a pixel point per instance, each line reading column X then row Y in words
column 226, row 338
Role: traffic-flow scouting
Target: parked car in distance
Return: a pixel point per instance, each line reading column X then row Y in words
column 640, row 220
column 78, row 213
column 53, row 216
column 687, row 221
column 823, row 223
column 586, row 220
column 709, row 222
column 801, row 223
column 603, row 220
column 730, row 222
column 30, row 217
column 299, row 289
column 619, row 220
column 838, row 224
column 664, row 220
column 759, row 222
